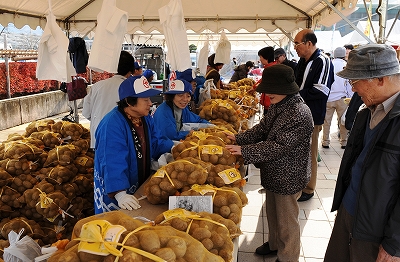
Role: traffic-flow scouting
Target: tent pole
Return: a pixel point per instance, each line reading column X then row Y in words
column 7, row 69
column 348, row 21
column 382, row 11
column 394, row 22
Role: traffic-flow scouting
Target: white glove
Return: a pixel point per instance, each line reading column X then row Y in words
column 126, row 201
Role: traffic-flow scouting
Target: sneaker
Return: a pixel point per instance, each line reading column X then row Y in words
column 343, row 147
column 265, row 250
column 323, row 146
column 305, row 197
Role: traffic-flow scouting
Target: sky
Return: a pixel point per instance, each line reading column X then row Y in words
column 24, row 30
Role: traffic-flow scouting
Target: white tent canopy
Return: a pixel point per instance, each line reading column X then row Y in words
column 275, row 19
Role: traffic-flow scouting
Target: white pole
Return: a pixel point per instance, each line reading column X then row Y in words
column 7, row 69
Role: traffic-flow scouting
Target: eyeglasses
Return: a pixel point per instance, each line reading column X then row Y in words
column 352, row 82
column 297, row 44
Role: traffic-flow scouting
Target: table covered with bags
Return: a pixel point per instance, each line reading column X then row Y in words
column 46, row 178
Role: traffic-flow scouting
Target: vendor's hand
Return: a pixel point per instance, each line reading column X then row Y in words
column 383, row 256
column 234, row 149
column 126, row 201
column 251, row 92
column 230, row 136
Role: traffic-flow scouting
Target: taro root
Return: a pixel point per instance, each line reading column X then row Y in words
column 23, row 182
column 23, row 149
column 5, row 178
column 17, row 167
column 84, row 164
column 176, row 176
column 50, row 139
column 61, row 155
column 31, row 228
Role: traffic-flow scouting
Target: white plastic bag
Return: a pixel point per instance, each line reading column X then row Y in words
column 205, row 93
column 24, row 250
column 223, row 50
column 195, row 126
column 202, row 62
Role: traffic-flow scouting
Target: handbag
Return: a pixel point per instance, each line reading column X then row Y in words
column 77, row 88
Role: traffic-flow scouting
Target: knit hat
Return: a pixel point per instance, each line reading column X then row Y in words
column 187, row 75
column 278, row 79
column 340, row 52
column 371, row 61
column 136, row 86
column 267, row 53
column 179, row 87
column 278, row 52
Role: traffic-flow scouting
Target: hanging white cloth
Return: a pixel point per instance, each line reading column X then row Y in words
column 107, row 44
column 53, row 59
column 172, row 20
column 223, row 51
column 203, row 58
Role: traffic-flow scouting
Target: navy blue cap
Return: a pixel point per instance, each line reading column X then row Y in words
column 187, row 75
column 137, row 66
column 148, row 73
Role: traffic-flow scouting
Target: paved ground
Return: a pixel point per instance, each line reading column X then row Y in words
column 315, row 217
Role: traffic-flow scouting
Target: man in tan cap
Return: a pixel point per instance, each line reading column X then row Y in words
column 367, row 194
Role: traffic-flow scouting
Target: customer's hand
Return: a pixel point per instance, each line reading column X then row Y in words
column 230, row 136
column 126, row 201
column 235, row 150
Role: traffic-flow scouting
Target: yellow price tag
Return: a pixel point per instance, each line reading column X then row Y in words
column 203, row 189
column 95, row 235
column 160, row 173
column 226, row 105
column 234, row 94
column 212, row 150
column 177, row 212
column 230, row 175
column 200, row 135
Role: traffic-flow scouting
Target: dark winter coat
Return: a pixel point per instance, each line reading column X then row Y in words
column 280, row 145
column 315, row 77
column 377, row 213
column 78, row 54
column 240, row 73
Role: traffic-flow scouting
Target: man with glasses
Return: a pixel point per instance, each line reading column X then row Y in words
column 314, row 76
column 367, row 225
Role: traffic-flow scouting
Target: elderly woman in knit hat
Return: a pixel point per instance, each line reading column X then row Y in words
column 174, row 112
column 280, row 146
column 126, row 141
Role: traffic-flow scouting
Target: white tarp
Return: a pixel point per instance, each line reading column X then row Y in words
column 271, row 16
column 171, row 17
